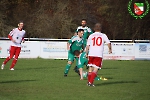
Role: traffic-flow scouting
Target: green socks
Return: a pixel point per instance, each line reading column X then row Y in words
column 67, row 68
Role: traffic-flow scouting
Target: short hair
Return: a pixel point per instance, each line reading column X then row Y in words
column 81, row 30
column 20, row 22
column 98, row 27
column 84, row 20
column 76, row 52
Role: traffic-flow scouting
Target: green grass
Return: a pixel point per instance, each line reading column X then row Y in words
column 42, row 79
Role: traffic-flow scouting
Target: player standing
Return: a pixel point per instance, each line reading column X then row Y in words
column 75, row 43
column 16, row 36
column 94, row 51
column 87, row 31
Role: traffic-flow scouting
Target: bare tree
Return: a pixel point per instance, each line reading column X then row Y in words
column 4, row 26
column 59, row 18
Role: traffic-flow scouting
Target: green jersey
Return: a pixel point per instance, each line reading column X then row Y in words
column 82, row 60
column 87, row 31
column 76, row 43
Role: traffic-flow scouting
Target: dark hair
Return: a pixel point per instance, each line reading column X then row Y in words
column 81, row 30
column 83, row 20
column 98, row 27
column 76, row 52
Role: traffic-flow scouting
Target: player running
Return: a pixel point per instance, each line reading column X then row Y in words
column 84, row 61
column 75, row 43
column 16, row 36
column 94, row 51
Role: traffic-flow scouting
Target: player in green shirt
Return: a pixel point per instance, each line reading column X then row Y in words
column 83, row 61
column 87, row 31
column 75, row 43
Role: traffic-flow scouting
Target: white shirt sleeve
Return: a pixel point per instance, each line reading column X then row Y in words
column 89, row 40
column 89, row 30
column 106, row 40
column 12, row 32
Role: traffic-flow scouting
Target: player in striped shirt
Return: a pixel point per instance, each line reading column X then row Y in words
column 16, row 36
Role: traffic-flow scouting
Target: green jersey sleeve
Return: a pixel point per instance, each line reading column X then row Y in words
column 72, row 40
column 89, row 31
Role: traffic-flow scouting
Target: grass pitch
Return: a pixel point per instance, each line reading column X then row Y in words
column 42, row 79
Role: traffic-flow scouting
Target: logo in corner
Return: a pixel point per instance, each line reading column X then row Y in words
column 139, row 9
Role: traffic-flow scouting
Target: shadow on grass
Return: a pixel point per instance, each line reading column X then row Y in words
column 109, row 68
column 109, row 77
column 36, row 68
column 16, row 81
column 118, row 82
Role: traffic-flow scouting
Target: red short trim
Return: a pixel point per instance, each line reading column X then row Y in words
column 95, row 62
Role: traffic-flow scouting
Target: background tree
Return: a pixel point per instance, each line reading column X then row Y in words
column 60, row 18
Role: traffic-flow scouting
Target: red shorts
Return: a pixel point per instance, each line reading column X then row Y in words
column 14, row 51
column 95, row 62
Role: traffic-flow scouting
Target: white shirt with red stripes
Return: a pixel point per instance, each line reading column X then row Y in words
column 96, row 42
column 18, row 36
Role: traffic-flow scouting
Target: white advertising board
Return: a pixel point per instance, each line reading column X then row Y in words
column 58, row 50
column 142, row 51
column 4, row 48
column 54, row 50
column 29, row 49
column 120, row 51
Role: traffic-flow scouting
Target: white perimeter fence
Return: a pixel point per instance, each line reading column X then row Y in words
column 56, row 49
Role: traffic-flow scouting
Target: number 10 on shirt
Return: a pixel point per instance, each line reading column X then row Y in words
column 97, row 41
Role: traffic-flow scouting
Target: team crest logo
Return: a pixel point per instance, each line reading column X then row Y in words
column 140, row 9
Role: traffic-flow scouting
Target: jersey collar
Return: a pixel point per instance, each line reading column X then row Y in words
column 19, row 29
column 79, row 37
